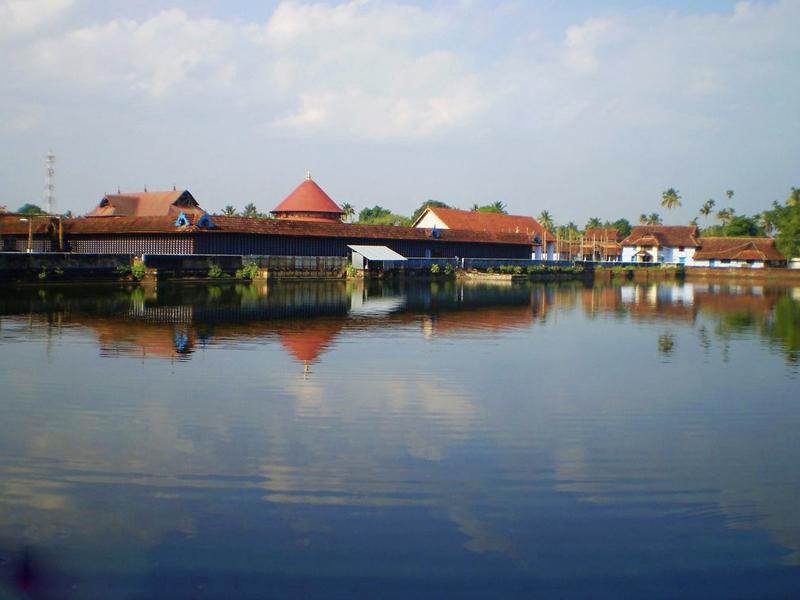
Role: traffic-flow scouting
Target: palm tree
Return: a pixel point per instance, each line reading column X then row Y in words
column 250, row 211
column 765, row 219
column 348, row 211
column 670, row 199
column 707, row 207
column 594, row 223
column 642, row 219
column 499, row 207
column 693, row 222
column 229, row 211
column 729, row 194
column 546, row 220
column 475, row 208
column 725, row 215
column 654, row 219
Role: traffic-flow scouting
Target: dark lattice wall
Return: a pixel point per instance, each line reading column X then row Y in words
column 132, row 244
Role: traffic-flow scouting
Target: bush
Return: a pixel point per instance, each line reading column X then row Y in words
column 490, row 270
column 123, row 270
column 435, row 269
column 448, row 269
column 138, row 271
column 248, row 271
column 517, row 270
column 43, row 273
column 351, row 271
column 215, row 271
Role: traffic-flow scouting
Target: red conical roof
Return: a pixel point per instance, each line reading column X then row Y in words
column 308, row 197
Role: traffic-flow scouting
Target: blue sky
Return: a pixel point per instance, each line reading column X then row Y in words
column 582, row 108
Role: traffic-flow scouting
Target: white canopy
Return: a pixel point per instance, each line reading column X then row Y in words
column 377, row 252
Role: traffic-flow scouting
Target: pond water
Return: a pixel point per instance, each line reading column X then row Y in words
column 426, row 440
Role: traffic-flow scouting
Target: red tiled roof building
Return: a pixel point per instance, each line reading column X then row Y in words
column 308, row 202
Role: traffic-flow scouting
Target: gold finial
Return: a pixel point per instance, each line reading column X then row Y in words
column 308, row 175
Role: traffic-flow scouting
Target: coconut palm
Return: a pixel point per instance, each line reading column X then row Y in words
column 594, row 223
column 546, row 220
column 229, row 211
column 642, row 219
column 707, row 207
column 499, row 207
column 729, row 194
column 766, row 220
column 725, row 215
column 250, row 211
column 348, row 211
column 654, row 219
column 670, row 199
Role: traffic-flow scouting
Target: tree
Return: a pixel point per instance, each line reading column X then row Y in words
column 229, row 211
column 30, row 209
column 786, row 219
column 654, row 219
column 670, row 199
column 250, row 211
column 546, row 220
column 494, row 207
column 426, row 204
column 743, row 226
column 377, row 215
column 348, row 211
column 765, row 221
column 623, row 226
column 642, row 219
column 68, row 215
column 707, row 207
column 729, row 194
column 725, row 215
column 594, row 223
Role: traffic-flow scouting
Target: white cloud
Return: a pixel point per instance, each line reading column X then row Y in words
column 155, row 56
column 583, row 42
column 20, row 17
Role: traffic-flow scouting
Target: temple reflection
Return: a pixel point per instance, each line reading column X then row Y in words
column 307, row 318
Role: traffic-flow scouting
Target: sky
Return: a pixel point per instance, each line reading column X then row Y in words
column 584, row 108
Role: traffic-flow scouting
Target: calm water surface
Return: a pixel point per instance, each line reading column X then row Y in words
column 428, row 440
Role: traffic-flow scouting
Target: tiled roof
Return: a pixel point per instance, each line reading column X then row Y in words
column 490, row 222
column 602, row 234
column 146, row 204
column 663, row 235
column 308, row 197
column 222, row 224
column 12, row 224
column 737, row 248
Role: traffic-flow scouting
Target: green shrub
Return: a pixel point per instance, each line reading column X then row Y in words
column 215, row 271
column 489, row 270
column 123, row 270
column 435, row 269
column 517, row 270
column 43, row 273
column 138, row 270
column 448, row 269
column 351, row 271
column 248, row 271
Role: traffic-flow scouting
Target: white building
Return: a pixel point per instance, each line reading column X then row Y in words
column 665, row 244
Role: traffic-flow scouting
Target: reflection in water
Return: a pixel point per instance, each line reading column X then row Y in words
column 569, row 439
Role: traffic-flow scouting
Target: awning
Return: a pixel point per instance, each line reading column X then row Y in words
column 377, row 252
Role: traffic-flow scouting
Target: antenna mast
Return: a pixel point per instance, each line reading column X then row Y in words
column 49, row 198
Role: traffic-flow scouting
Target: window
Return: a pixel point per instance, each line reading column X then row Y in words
column 680, row 248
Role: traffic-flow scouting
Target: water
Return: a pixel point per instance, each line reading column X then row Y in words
column 429, row 440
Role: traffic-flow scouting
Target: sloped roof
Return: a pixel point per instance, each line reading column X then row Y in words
column 112, row 225
column 663, row 235
column 602, row 234
column 146, row 204
column 483, row 221
column 308, row 197
column 737, row 248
